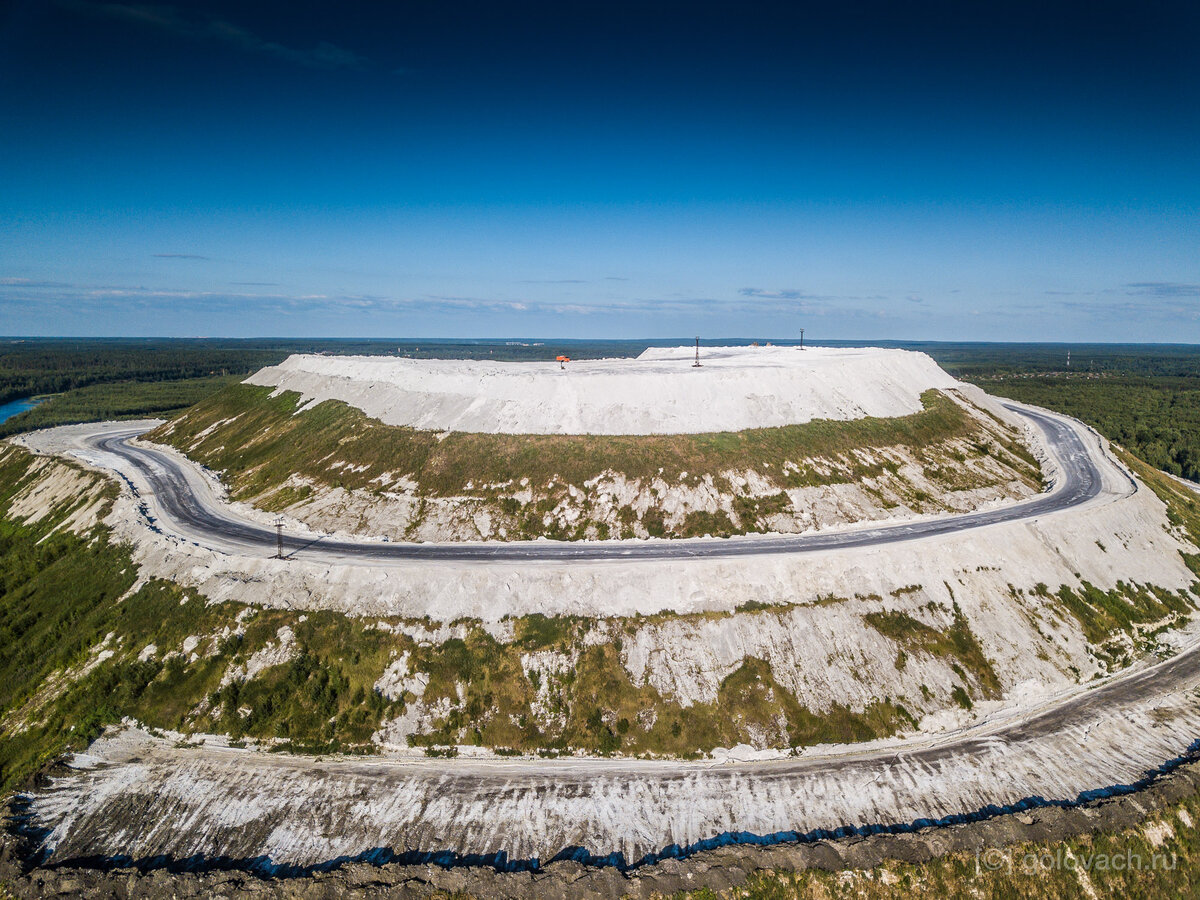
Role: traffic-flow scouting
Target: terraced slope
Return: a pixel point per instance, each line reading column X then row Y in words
column 87, row 642
column 835, row 669
column 337, row 469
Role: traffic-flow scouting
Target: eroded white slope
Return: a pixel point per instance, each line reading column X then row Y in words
column 660, row 392
column 137, row 796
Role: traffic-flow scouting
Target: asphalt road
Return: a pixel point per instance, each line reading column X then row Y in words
column 199, row 518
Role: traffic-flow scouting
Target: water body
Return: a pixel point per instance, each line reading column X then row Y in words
column 15, row 407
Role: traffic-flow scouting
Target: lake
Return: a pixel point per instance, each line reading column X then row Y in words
column 13, row 407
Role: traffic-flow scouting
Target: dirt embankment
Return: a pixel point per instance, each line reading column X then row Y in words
column 717, row 869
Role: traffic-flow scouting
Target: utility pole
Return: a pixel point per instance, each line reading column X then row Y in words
column 279, row 538
column 696, row 364
column 801, row 338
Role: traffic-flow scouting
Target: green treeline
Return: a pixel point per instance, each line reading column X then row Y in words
column 120, row 400
column 34, row 366
column 52, row 366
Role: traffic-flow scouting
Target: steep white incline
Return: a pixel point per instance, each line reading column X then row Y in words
column 658, row 393
column 137, row 796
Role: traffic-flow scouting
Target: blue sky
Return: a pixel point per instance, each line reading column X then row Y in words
column 957, row 171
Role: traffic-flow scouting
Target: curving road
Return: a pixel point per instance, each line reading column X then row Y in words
column 202, row 519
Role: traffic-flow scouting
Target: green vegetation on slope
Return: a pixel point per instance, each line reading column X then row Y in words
column 266, row 442
column 72, row 636
column 1183, row 502
column 955, row 642
column 261, row 444
column 591, row 703
column 81, row 649
column 1103, row 614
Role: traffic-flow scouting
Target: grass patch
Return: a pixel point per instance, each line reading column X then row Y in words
column 72, row 636
column 266, row 442
column 1183, row 503
column 1103, row 614
column 957, row 643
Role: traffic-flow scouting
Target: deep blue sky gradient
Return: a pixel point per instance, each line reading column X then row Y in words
column 1009, row 171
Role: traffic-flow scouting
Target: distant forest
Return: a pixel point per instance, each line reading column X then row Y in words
column 34, row 366
column 1143, row 396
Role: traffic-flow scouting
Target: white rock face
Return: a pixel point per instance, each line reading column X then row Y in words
column 53, row 486
column 399, row 678
column 273, row 654
column 136, row 795
column 658, row 393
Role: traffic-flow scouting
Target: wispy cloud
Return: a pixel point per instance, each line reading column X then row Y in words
column 31, row 283
column 570, row 280
column 786, row 294
column 85, row 299
column 83, row 296
column 797, row 294
column 178, row 256
column 1127, row 304
column 1132, row 301
column 1163, row 289
column 82, row 300
column 747, row 302
column 795, row 301
column 209, row 28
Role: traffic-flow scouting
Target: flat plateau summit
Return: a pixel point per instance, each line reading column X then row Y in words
column 659, row 392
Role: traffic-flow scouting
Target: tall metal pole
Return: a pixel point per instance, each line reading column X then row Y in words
column 801, row 338
column 696, row 364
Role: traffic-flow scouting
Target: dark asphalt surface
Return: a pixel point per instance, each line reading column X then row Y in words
column 186, row 514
